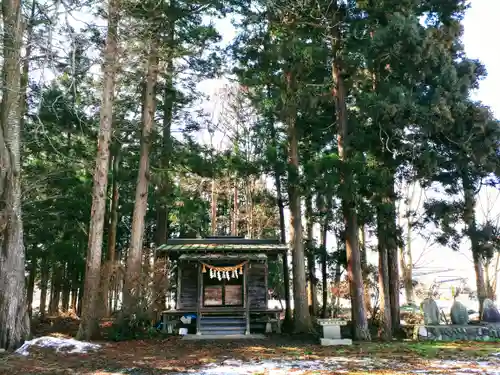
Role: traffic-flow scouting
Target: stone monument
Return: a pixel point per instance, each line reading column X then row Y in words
column 331, row 332
column 459, row 314
column 490, row 312
column 431, row 312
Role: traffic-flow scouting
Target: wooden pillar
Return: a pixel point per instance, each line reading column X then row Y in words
column 200, row 300
column 247, row 299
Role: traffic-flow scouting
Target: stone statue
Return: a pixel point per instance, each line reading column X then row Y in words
column 490, row 312
column 459, row 313
column 431, row 312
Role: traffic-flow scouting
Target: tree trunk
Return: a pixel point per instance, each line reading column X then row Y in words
column 115, row 199
column 64, row 275
column 493, row 280
column 132, row 288
column 79, row 302
column 394, row 282
column 73, row 298
column 146, row 268
column 66, row 287
column 116, row 292
column 31, row 285
column 281, row 210
column 470, row 222
column 65, row 297
column 390, row 240
column 249, row 207
column 387, row 231
column 168, row 113
column 26, row 64
column 110, row 268
column 407, row 266
column 287, row 323
column 364, row 269
column 301, row 318
column 44, row 284
column 480, row 284
column 160, row 277
column 89, row 324
column 14, row 322
column 385, row 329
column 355, row 275
column 55, row 291
column 311, row 263
column 213, row 210
column 234, row 230
column 324, row 268
column 336, row 279
column 487, row 281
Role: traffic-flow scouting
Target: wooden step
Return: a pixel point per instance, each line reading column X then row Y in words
column 233, row 321
column 222, row 328
column 223, row 333
column 222, row 325
column 233, row 324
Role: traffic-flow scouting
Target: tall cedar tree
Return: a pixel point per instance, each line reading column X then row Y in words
column 89, row 324
column 133, row 279
column 14, row 323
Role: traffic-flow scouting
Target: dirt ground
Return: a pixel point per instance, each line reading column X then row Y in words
column 173, row 355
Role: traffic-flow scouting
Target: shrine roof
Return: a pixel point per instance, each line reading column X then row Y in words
column 222, row 244
column 223, row 256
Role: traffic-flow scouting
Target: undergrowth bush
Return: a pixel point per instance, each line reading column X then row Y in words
column 138, row 327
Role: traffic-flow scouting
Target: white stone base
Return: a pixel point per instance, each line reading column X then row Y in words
column 332, row 342
column 331, row 332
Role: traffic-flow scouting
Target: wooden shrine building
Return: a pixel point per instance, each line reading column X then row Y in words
column 222, row 283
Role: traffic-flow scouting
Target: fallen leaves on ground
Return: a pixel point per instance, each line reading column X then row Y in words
column 171, row 355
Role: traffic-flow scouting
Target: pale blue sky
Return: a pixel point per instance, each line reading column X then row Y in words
column 482, row 29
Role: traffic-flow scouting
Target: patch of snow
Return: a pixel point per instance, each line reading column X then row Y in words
column 233, row 362
column 59, row 344
column 340, row 365
column 463, row 367
column 236, row 367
